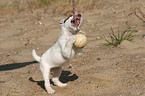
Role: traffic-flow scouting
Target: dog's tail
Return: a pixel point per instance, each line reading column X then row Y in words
column 35, row 56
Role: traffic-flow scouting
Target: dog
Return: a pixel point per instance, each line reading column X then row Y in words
column 60, row 53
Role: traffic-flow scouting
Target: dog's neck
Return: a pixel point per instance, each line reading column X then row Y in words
column 67, row 32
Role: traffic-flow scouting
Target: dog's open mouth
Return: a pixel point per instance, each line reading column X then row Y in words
column 76, row 21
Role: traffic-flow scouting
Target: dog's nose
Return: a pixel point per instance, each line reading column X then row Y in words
column 79, row 15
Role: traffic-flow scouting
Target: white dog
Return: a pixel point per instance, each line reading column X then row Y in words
column 53, row 59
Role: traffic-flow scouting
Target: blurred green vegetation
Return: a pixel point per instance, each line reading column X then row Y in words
column 55, row 6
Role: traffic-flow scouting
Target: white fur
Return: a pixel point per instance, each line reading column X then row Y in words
column 53, row 59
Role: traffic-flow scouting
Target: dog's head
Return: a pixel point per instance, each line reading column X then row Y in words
column 72, row 23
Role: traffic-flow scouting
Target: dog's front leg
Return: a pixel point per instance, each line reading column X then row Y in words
column 66, row 49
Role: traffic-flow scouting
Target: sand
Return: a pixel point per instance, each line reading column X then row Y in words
column 100, row 71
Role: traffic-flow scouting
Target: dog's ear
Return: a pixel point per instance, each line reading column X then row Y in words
column 62, row 22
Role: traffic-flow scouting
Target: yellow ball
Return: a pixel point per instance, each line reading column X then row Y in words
column 81, row 40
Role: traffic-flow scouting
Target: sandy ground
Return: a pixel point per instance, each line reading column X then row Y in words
column 100, row 71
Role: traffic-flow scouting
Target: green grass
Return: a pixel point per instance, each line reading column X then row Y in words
column 116, row 39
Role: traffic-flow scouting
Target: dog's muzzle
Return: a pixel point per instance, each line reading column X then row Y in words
column 76, row 21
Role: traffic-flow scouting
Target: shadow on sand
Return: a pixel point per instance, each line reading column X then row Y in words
column 65, row 77
column 14, row 66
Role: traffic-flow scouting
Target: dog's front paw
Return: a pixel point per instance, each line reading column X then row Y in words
column 72, row 39
column 82, row 32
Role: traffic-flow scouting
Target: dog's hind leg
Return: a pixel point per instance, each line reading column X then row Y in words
column 46, row 72
column 56, row 75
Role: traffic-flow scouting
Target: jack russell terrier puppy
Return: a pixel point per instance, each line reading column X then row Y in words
column 57, row 55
